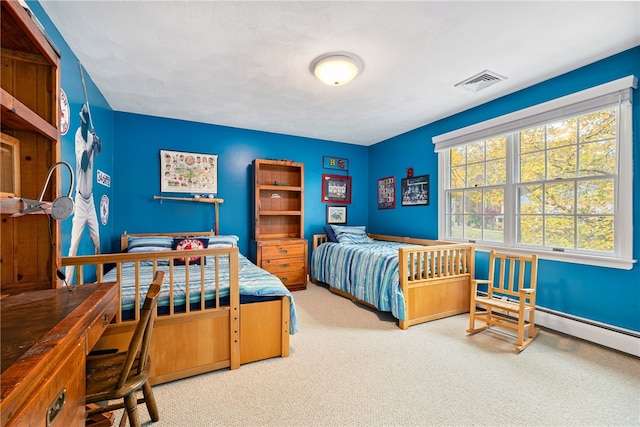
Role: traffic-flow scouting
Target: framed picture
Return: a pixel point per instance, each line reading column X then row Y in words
column 387, row 192
column 10, row 166
column 336, row 214
column 415, row 191
column 194, row 173
column 336, row 189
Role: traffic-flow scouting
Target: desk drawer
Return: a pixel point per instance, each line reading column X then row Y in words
column 98, row 326
column 288, row 250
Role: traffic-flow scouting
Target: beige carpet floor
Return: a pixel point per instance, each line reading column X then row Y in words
column 351, row 366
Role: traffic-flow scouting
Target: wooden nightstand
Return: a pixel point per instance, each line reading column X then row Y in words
column 284, row 258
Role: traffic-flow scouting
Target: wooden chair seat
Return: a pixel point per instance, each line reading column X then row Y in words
column 510, row 299
column 120, row 375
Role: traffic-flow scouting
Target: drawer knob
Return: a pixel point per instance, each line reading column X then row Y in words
column 284, row 265
column 105, row 320
column 283, row 251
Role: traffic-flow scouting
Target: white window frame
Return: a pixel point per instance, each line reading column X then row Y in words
column 614, row 92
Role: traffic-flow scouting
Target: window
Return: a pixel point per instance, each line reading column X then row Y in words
column 555, row 179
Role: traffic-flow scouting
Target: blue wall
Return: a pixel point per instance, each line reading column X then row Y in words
column 102, row 116
column 602, row 294
column 130, row 156
column 137, row 162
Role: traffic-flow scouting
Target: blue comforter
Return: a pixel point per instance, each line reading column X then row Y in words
column 368, row 271
column 254, row 282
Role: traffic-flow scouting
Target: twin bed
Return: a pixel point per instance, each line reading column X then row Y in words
column 216, row 308
column 417, row 280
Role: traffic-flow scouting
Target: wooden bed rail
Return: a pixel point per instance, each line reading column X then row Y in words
column 100, row 262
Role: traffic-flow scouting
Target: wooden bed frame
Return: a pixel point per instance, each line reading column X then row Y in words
column 442, row 290
column 195, row 341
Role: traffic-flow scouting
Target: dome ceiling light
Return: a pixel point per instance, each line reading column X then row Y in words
column 337, row 68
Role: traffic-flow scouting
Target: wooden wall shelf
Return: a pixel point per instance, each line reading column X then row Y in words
column 215, row 201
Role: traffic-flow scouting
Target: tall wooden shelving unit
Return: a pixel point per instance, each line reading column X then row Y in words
column 29, row 112
column 278, row 243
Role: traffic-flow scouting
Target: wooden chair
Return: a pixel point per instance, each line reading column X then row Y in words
column 120, row 375
column 511, row 297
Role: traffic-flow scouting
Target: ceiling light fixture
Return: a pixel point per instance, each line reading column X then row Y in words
column 336, row 68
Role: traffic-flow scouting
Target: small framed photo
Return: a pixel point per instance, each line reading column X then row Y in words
column 387, row 193
column 336, row 214
column 336, row 189
column 415, row 191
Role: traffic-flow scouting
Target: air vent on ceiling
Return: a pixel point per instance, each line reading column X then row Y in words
column 480, row 81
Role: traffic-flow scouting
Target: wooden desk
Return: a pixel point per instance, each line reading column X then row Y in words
column 46, row 336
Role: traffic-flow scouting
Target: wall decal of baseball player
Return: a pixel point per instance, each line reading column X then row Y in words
column 87, row 146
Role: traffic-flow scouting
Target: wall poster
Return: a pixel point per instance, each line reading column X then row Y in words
column 188, row 172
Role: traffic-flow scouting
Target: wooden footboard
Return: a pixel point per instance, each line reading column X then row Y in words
column 198, row 337
column 435, row 277
column 435, row 281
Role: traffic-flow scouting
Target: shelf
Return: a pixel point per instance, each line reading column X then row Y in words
column 279, row 187
column 17, row 116
column 191, row 199
column 288, row 213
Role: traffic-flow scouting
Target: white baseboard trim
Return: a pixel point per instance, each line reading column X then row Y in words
column 620, row 339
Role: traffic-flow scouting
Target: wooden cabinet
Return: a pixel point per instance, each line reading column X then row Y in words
column 278, row 243
column 29, row 94
column 46, row 336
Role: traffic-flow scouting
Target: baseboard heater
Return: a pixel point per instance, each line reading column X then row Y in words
column 620, row 339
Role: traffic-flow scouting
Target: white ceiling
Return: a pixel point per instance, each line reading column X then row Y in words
column 245, row 64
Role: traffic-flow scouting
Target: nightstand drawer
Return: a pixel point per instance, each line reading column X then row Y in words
column 283, row 265
column 285, row 250
column 290, row 278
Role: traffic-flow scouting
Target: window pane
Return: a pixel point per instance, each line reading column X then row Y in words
column 598, row 158
column 458, row 156
column 497, row 148
column 455, row 226
column 561, row 163
column 497, row 172
column 532, row 167
column 473, row 202
column 475, row 152
column 493, row 218
column 475, row 175
column 598, row 126
column 473, row 227
column 559, row 198
column 559, row 231
column 530, row 199
column 595, row 233
column 530, row 230
column 458, row 177
column 562, row 133
column 595, row 197
column 532, row 140
column 456, row 202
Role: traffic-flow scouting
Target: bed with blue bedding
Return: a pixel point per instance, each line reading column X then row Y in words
column 216, row 309
column 416, row 280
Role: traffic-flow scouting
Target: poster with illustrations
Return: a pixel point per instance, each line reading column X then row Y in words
column 194, row 173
